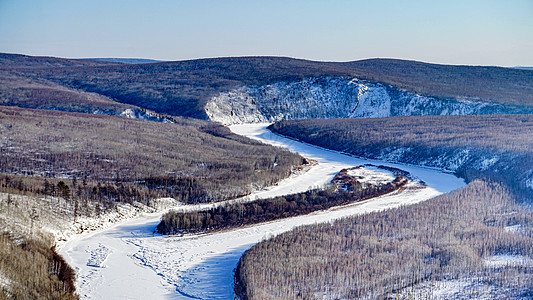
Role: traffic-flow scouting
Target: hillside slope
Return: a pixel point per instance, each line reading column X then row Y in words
column 9, row 60
column 338, row 97
column 499, row 147
column 25, row 92
column 185, row 87
column 190, row 160
column 471, row 243
column 501, row 85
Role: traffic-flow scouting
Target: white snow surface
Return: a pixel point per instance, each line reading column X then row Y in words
column 513, row 228
column 529, row 183
column 129, row 261
column 4, row 281
column 330, row 97
column 503, row 260
column 143, row 115
column 371, row 175
column 462, row 288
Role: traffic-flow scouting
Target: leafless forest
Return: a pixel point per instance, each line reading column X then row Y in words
column 60, row 166
column 509, row 133
column 20, row 91
column 82, row 166
column 496, row 147
column 32, row 270
column 193, row 161
column 415, row 250
column 239, row 214
column 385, row 254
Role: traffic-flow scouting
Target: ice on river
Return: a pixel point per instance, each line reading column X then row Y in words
column 129, row 261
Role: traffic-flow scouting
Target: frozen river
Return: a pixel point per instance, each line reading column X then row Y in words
column 129, row 261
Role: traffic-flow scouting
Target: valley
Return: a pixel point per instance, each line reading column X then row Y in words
column 201, row 266
column 95, row 155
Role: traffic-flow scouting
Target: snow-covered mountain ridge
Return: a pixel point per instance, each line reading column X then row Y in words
column 335, row 97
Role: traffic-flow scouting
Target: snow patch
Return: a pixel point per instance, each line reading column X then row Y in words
column 98, row 255
column 394, row 154
column 486, row 162
column 503, row 260
column 458, row 160
column 513, row 228
column 143, row 115
column 4, row 281
column 529, row 183
column 463, row 288
column 128, row 113
column 371, row 175
column 55, row 217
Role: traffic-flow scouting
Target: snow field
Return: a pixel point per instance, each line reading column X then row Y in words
column 371, row 175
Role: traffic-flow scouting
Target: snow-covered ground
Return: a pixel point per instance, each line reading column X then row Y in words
column 371, row 175
column 129, row 261
column 502, row 260
column 334, row 97
column 464, row 288
column 53, row 217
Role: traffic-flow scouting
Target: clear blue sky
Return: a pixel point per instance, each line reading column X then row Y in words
column 474, row 32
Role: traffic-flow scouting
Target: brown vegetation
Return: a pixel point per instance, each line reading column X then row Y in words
column 501, row 133
column 194, row 161
column 18, row 90
column 30, row 269
column 80, row 165
column 380, row 254
column 501, row 85
column 18, row 60
column 392, row 254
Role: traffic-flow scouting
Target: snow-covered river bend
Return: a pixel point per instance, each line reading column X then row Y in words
column 128, row 261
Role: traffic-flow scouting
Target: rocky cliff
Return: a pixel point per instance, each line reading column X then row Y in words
column 336, row 97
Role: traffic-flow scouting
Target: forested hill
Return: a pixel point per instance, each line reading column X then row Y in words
column 184, row 87
column 501, row 85
column 190, row 160
column 498, row 147
column 8, row 60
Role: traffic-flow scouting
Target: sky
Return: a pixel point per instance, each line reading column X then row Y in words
column 473, row 32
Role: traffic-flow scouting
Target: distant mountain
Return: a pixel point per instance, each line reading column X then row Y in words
column 523, row 68
column 185, row 88
column 19, row 89
column 19, row 60
column 130, row 61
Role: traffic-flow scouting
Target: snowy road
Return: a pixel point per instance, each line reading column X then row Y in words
column 127, row 261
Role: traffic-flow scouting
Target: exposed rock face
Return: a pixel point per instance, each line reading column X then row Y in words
column 141, row 114
column 333, row 97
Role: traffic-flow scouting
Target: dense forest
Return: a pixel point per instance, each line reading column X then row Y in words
column 498, row 147
column 457, row 237
column 59, row 164
column 240, row 214
column 21, row 91
column 30, row 269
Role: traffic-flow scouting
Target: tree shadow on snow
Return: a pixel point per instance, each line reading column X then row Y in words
column 212, row 279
